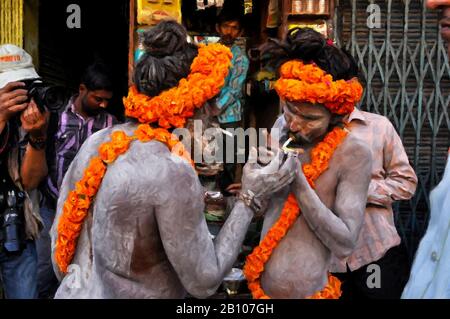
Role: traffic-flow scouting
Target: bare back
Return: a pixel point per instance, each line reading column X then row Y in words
column 146, row 235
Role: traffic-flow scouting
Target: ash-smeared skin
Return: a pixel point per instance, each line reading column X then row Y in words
column 148, row 237
column 330, row 221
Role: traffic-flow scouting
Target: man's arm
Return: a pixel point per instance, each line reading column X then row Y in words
column 2, row 128
column 4, row 135
column 338, row 229
column 12, row 100
column 231, row 92
column 34, row 165
column 199, row 262
column 401, row 181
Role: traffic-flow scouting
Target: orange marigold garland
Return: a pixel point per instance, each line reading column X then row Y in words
column 309, row 83
column 254, row 265
column 78, row 201
column 170, row 109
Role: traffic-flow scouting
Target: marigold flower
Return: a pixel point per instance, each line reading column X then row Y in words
column 169, row 109
column 107, row 153
column 208, row 69
column 320, row 156
column 144, row 133
column 308, row 83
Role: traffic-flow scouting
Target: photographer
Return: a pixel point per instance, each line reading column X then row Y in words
column 23, row 166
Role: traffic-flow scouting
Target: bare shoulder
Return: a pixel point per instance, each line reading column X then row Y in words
column 355, row 151
column 153, row 169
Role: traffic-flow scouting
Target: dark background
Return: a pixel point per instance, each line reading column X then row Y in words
column 64, row 53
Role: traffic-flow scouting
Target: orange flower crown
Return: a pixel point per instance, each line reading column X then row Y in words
column 301, row 82
column 171, row 108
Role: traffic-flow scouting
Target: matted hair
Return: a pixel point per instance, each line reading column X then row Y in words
column 309, row 46
column 167, row 59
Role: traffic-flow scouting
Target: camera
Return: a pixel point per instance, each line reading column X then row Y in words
column 50, row 97
column 12, row 226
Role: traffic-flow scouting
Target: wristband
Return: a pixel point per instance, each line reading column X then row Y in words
column 38, row 143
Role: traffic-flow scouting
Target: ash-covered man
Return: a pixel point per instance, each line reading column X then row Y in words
column 23, row 133
column 130, row 221
column 392, row 179
column 321, row 213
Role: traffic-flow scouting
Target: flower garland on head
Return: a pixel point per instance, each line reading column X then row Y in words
column 170, row 109
column 305, row 83
column 309, row 83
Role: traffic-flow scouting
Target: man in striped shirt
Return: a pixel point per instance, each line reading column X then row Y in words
column 84, row 115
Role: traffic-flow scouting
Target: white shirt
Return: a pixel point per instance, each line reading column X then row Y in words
column 430, row 275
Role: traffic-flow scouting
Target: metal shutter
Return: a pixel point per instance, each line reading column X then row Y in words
column 405, row 68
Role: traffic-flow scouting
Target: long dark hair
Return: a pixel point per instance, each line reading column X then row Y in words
column 309, row 46
column 167, row 59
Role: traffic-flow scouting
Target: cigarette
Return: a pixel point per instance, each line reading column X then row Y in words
column 226, row 132
column 285, row 148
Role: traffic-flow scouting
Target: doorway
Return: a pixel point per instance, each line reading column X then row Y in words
column 65, row 52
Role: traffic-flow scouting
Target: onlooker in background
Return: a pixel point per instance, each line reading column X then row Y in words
column 445, row 22
column 393, row 179
column 228, row 106
column 430, row 272
column 23, row 166
column 84, row 115
column 430, row 276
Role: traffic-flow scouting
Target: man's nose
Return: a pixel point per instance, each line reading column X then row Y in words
column 294, row 126
column 103, row 104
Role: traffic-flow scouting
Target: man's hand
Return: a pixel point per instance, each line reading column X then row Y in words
column 259, row 182
column 33, row 121
column 13, row 100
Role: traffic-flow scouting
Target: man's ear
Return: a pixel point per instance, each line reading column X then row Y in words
column 218, row 28
column 82, row 89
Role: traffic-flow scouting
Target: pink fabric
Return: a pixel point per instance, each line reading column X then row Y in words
column 393, row 179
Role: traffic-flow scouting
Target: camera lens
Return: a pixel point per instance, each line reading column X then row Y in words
column 54, row 97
